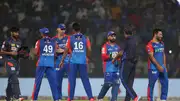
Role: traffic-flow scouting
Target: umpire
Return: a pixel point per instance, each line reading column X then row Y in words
column 128, row 65
column 10, row 49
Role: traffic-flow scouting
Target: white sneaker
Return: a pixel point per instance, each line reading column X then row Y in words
column 100, row 99
column 163, row 100
column 138, row 98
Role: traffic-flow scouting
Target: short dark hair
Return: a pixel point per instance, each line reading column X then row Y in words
column 76, row 26
column 14, row 29
column 156, row 30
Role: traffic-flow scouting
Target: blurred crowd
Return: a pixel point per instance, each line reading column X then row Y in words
column 96, row 18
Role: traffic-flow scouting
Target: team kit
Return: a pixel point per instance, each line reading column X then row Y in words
column 63, row 54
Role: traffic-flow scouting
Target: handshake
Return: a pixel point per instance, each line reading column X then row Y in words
column 113, row 55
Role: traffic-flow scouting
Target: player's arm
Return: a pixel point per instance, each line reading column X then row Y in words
column 150, row 51
column 37, row 48
column 66, row 50
column 4, row 49
column 65, row 54
column 104, row 54
column 164, row 57
column 88, row 53
column 119, row 55
column 58, row 49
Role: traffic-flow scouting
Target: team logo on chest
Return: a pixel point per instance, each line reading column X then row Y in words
column 158, row 48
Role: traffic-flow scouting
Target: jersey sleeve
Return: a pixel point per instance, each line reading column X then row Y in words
column 37, row 47
column 149, row 48
column 68, row 45
column 4, row 46
column 104, row 54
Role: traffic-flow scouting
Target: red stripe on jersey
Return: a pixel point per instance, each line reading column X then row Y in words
column 149, row 49
column 104, row 54
column 68, row 44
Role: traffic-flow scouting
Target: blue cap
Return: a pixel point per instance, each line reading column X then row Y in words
column 62, row 26
column 111, row 33
column 44, row 30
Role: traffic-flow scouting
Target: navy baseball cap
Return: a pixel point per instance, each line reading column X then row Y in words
column 62, row 26
column 111, row 33
column 44, row 30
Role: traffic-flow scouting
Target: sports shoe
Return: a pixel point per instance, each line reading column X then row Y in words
column 92, row 99
column 21, row 99
column 163, row 100
column 137, row 98
column 8, row 99
column 68, row 99
column 100, row 100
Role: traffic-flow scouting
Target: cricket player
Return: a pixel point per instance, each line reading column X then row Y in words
column 111, row 71
column 10, row 49
column 78, row 44
column 61, row 40
column 45, row 49
column 157, row 65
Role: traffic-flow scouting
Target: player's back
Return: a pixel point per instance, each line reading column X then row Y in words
column 47, row 48
column 158, row 53
column 78, row 47
column 108, row 66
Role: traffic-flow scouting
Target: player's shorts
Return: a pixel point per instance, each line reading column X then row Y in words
column 12, row 66
column 112, row 77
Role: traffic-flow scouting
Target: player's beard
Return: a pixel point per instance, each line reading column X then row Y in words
column 159, row 39
column 112, row 41
column 16, row 37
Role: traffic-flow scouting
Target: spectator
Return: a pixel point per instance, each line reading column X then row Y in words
column 38, row 5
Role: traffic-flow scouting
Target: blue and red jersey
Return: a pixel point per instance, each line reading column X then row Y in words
column 46, row 50
column 108, row 49
column 62, row 44
column 157, row 48
column 78, row 43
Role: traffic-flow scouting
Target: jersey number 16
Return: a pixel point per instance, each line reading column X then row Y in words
column 78, row 45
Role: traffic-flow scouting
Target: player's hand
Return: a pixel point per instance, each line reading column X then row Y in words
column 161, row 69
column 164, row 67
column 113, row 61
column 60, row 50
column 61, row 64
column 14, row 53
column 34, row 51
column 166, row 70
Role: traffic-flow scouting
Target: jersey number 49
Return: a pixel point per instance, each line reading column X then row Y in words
column 48, row 49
